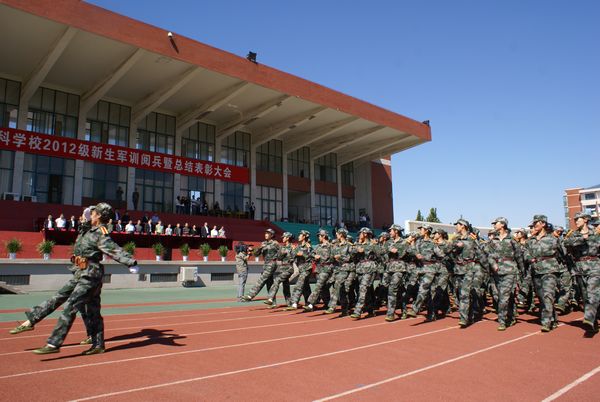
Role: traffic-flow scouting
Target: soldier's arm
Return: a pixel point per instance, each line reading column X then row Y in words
column 109, row 247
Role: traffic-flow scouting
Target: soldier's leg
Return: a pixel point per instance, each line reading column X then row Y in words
column 339, row 292
column 395, row 281
column 565, row 286
column 299, row 287
column 280, row 279
column 364, row 284
column 349, row 286
column 592, row 300
column 505, row 284
column 42, row 310
column 82, row 294
column 548, row 289
column 265, row 277
column 425, row 281
column 465, row 297
column 322, row 278
column 441, row 300
column 94, row 316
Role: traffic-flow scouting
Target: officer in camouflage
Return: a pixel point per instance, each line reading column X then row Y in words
column 584, row 245
column 544, row 251
column 397, row 272
column 342, row 257
column 303, row 258
column 324, row 261
column 285, row 269
column 269, row 249
column 366, row 268
column 88, row 256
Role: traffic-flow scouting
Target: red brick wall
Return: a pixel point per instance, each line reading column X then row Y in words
column 381, row 193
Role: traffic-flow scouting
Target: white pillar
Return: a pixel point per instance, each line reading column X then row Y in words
column 78, row 185
column 285, row 187
column 17, row 184
column 313, row 197
column 131, row 170
column 339, row 192
column 253, row 188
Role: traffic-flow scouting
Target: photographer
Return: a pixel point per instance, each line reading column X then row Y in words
column 241, row 266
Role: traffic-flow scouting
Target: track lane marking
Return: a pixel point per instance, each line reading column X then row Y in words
column 572, row 385
column 227, row 373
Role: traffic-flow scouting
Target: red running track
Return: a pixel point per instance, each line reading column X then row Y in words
column 253, row 353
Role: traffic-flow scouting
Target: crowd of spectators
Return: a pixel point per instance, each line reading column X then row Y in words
column 145, row 225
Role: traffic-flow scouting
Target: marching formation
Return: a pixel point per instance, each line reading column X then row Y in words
column 432, row 271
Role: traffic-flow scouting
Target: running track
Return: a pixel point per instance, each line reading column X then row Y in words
column 252, row 353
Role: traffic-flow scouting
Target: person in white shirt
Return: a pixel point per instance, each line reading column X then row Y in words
column 61, row 222
column 214, row 232
column 222, row 232
column 169, row 230
column 129, row 228
column 49, row 223
column 159, row 229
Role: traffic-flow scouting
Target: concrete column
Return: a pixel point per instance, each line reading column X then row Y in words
column 313, row 198
column 285, row 188
column 177, row 176
column 17, row 184
column 78, row 185
column 131, row 170
column 218, row 183
column 339, row 192
column 253, row 188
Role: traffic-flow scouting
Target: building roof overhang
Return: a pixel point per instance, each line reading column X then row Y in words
column 98, row 54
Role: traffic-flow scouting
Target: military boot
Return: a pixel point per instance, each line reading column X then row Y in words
column 390, row 318
column 356, row 316
column 268, row 301
column 46, row 350
column 86, row 341
column 411, row 313
column 94, row 350
column 21, row 328
column 330, row 311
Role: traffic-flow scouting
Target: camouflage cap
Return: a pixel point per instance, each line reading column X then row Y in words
column 350, row 238
column 323, row 232
column 289, row 235
column 559, row 228
column 463, row 222
column 427, row 227
column 367, row 231
column 269, row 230
column 342, row 231
column 539, row 218
column 522, row 231
column 440, row 231
column 385, row 235
column 414, row 234
column 595, row 223
column 306, row 233
column 501, row 220
column 396, row 227
column 105, row 211
column 583, row 215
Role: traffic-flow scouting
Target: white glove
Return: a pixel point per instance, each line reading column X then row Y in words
column 134, row 269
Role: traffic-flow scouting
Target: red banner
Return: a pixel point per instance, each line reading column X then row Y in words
column 63, row 147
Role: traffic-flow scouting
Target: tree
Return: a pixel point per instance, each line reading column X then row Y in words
column 419, row 216
column 432, row 217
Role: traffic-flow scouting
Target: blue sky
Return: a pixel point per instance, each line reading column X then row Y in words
column 511, row 87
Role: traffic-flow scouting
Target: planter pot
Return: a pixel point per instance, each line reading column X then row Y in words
column 46, row 256
column 158, row 258
column 12, row 256
column 205, row 258
column 185, row 257
column 256, row 259
column 222, row 258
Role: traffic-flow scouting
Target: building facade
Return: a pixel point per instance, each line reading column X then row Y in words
column 581, row 199
column 164, row 118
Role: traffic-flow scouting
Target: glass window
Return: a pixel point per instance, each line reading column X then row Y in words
column 269, row 203
column 156, row 133
column 198, row 190
column 49, row 179
column 9, row 111
column 155, row 190
column 198, row 142
column 348, row 210
column 326, row 168
column 104, row 124
column 268, row 157
column 235, row 149
column 53, row 112
column 235, row 196
column 348, row 174
column 299, row 162
column 326, row 206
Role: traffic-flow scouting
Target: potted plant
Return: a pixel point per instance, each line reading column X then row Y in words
column 204, row 250
column 129, row 248
column 159, row 250
column 45, row 248
column 13, row 246
column 223, row 252
column 185, row 251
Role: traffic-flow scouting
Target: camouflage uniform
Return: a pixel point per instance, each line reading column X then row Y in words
column 507, row 260
column 93, row 244
column 241, row 267
column 284, row 272
column 429, row 258
column 366, row 269
column 398, row 275
column 324, row 272
column 341, row 269
column 304, row 263
column 269, row 249
column 544, row 255
column 585, row 250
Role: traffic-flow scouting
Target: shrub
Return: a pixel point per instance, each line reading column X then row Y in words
column 14, row 245
column 129, row 248
column 159, row 249
column 223, row 251
column 204, row 249
column 45, row 247
column 185, row 249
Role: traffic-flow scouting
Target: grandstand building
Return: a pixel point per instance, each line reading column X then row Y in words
column 98, row 106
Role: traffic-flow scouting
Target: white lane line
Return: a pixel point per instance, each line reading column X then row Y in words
column 167, row 335
column 14, row 338
column 227, row 373
column 185, row 352
column 572, row 385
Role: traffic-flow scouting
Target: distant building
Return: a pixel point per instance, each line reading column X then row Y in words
column 581, row 199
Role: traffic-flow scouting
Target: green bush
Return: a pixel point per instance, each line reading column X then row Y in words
column 129, row 248
column 223, row 251
column 14, row 245
column 185, row 249
column 159, row 249
column 45, row 247
column 204, row 249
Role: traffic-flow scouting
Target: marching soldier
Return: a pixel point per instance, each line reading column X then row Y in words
column 269, row 249
column 87, row 257
column 441, row 298
column 366, row 269
column 342, row 257
column 303, row 259
column 584, row 244
column 324, row 261
column 284, row 269
column 397, row 272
